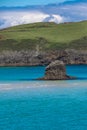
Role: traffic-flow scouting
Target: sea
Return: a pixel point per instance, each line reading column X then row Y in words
column 30, row 104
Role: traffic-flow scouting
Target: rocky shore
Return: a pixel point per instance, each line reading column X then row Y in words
column 54, row 60
column 31, row 58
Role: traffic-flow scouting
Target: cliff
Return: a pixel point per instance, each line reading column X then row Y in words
column 43, row 43
column 31, row 58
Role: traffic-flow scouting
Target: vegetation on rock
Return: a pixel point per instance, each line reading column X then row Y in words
column 47, row 36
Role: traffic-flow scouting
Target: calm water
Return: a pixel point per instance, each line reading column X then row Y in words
column 21, row 73
column 27, row 104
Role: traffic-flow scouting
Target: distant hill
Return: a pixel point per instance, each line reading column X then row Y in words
column 45, row 36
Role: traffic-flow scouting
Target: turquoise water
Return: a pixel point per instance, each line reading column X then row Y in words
column 42, row 105
column 32, row 73
column 21, row 73
column 79, row 71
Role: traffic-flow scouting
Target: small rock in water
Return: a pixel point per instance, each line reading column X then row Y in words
column 56, row 71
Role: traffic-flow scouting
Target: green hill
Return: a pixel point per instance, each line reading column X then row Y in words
column 47, row 36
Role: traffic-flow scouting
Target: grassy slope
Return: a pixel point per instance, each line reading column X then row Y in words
column 47, row 35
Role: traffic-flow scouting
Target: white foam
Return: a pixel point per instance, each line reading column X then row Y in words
column 36, row 84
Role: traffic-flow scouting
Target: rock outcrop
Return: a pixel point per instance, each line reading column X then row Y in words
column 56, row 71
column 30, row 58
column 72, row 56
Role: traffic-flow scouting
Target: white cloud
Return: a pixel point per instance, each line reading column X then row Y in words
column 23, row 17
column 57, row 13
column 56, row 19
column 74, row 12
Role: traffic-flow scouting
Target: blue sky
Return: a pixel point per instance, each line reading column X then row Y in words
column 28, row 2
column 67, row 12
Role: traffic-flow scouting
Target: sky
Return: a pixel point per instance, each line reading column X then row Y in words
column 22, row 14
column 28, row 2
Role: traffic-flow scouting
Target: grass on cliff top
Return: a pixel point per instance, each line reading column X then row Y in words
column 46, row 35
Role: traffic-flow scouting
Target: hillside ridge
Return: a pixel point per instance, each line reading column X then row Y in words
column 45, row 36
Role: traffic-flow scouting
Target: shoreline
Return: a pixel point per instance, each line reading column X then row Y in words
column 28, row 65
column 20, row 65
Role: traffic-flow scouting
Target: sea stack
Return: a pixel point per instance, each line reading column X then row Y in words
column 56, row 71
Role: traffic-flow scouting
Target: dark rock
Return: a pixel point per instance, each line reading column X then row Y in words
column 72, row 56
column 56, row 71
column 29, row 58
